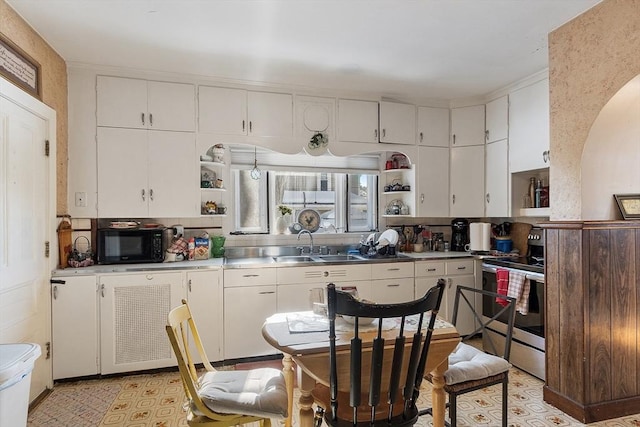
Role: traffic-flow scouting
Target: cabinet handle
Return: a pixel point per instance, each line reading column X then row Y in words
column 143, row 195
column 250, row 126
column 421, row 137
column 375, row 133
column 189, row 284
column 325, row 273
column 487, row 197
column 150, row 119
column 250, row 275
column 142, row 118
column 486, row 134
column 421, row 197
column 102, row 290
column 449, row 281
column 462, row 268
column 149, row 276
column 384, row 133
column 453, row 199
column 431, row 269
column 395, row 285
column 454, row 139
column 266, row 292
column 55, row 292
column 151, row 194
column 393, row 269
column 546, row 156
column 243, row 126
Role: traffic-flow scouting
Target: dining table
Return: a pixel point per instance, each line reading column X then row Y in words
column 303, row 339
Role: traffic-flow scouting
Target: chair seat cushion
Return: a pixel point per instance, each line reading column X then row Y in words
column 259, row 392
column 467, row 363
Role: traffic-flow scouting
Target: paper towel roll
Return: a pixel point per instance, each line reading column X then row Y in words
column 480, row 236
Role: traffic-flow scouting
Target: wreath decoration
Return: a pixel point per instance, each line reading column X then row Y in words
column 318, row 140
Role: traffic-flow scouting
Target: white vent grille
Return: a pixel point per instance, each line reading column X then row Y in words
column 140, row 319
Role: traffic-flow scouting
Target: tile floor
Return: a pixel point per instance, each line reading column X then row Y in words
column 155, row 400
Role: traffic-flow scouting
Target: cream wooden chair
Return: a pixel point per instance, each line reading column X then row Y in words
column 223, row 398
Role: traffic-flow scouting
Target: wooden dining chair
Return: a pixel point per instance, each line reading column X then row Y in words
column 470, row 368
column 384, row 378
column 223, row 398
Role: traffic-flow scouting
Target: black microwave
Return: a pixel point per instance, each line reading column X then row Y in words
column 125, row 246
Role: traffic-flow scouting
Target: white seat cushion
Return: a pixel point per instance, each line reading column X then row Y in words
column 259, row 392
column 467, row 363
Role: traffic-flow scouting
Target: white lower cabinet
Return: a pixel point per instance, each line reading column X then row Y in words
column 392, row 282
column 455, row 272
column 133, row 315
column 249, row 298
column 74, row 310
column 205, row 298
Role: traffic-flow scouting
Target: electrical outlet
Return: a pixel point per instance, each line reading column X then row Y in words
column 81, row 199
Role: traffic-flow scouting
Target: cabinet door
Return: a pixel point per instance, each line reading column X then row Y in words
column 245, row 310
column 74, row 312
column 390, row 291
column 173, row 175
column 123, row 190
column 222, row 110
column 171, row 106
column 122, row 102
column 467, row 181
column 529, row 127
column 433, row 182
column 465, row 323
column 133, row 316
column 270, row 114
column 433, row 126
column 497, row 119
column 357, row 121
column 397, row 123
column 205, row 295
column 497, row 175
column 467, row 126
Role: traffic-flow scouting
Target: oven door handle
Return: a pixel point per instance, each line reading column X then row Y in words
column 528, row 274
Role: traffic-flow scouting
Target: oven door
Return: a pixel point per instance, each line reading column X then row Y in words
column 529, row 328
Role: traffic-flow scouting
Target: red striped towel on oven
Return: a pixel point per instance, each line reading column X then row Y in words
column 502, row 277
column 519, row 287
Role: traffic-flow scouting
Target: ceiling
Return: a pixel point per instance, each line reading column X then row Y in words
column 403, row 49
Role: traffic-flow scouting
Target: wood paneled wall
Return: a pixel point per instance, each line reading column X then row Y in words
column 593, row 318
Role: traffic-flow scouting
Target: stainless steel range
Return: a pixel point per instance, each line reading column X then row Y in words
column 527, row 348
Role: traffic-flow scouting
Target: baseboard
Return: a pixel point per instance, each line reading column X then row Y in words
column 592, row 413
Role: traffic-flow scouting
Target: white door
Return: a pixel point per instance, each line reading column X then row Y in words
column 497, row 176
column 433, row 182
column 205, row 294
column 357, row 121
column 122, row 102
column 172, row 106
column 270, row 114
column 467, row 181
column 27, row 217
column 467, row 126
column 433, row 126
column 222, row 110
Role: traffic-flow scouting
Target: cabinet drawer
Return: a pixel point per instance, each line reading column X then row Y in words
column 391, row 270
column 392, row 291
column 429, row 268
column 459, row 267
column 249, row 277
column 324, row 274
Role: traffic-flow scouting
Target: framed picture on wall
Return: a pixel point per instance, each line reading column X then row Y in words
column 629, row 205
column 19, row 68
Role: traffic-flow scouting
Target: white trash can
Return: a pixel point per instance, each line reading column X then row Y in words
column 16, row 364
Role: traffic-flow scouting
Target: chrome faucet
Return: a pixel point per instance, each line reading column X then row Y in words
column 310, row 238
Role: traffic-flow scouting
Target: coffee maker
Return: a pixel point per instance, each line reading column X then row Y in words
column 459, row 234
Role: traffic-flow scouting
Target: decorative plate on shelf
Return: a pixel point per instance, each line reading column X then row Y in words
column 309, row 219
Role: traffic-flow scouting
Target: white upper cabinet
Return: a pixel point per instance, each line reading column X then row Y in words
column 467, row 126
column 222, row 110
column 497, row 119
column 497, row 179
column 433, row 182
column 467, row 181
column 529, row 127
column 137, row 174
column 397, row 123
column 142, row 104
column 433, row 126
column 357, row 121
column 227, row 111
column 270, row 114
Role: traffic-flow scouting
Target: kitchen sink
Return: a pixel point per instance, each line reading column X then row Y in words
column 293, row 258
column 339, row 257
